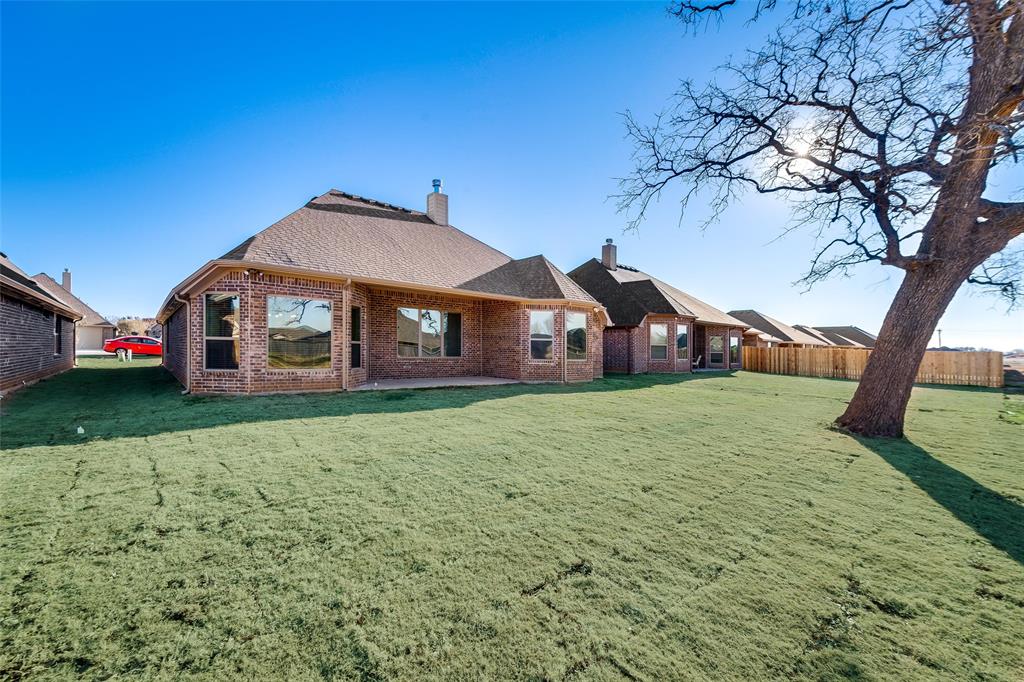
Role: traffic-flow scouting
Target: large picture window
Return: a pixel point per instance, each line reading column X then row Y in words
column 542, row 334
column 356, row 338
column 221, row 331
column 734, row 350
column 659, row 341
column 425, row 333
column 298, row 333
column 576, row 336
column 682, row 342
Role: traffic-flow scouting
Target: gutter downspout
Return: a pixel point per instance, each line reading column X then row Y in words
column 188, row 342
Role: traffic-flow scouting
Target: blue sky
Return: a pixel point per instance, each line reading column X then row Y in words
column 141, row 140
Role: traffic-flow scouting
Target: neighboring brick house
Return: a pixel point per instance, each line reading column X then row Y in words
column 37, row 331
column 772, row 332
column 348, row 290
column 92, row 330
column 654, row 326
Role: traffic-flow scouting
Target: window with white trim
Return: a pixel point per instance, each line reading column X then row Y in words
column 542, row 334
column 659, row 341
column 576, row 336
column 220, row 331
column 682, row 341
column 298, row 333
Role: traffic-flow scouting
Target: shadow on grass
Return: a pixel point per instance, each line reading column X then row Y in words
column 995, row 517
column 112, row 400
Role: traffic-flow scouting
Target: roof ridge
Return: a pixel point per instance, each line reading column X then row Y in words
column 368, row 200
column 75, row 302
column 385, row 204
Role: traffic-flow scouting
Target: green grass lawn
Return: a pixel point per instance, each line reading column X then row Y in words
column 706, row 527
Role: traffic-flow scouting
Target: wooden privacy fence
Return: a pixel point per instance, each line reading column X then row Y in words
column 981, row 368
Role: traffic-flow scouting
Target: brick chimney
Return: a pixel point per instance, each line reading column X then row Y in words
column 437, row 205
column 65, row 280
column 608, row 257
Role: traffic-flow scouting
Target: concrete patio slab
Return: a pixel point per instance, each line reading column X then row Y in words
column 435, row 382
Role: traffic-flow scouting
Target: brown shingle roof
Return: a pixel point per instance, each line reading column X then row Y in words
column 629, row 295
column 344, row 234
column 15, row 281
column 851, row 333
column 815, row 333
column 533, row 277
column 90, row 317
column 773, row 327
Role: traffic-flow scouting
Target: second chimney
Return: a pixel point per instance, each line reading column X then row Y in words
column 608, row 256
column 437, row 205
column 65, row 280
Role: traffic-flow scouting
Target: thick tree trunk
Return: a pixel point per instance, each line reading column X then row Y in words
column 880, row 402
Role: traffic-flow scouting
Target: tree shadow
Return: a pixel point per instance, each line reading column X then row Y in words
column 125, row 401
column 997, row 518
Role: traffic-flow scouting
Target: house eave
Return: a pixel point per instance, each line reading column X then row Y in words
column 213, row 269
column 21, row 291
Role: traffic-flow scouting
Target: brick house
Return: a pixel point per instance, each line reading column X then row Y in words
column 37, row 331
column 655, row 327
column 347, row 291
column 771, row 332
column 90, row 331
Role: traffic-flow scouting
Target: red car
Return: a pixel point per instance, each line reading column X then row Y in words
column 138, row 345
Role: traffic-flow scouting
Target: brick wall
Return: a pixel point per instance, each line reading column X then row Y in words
column 253, row 375
column 359, row 297
column 616, row 349
column 670, row 363
column 175, row 345
column 754, row 341
column 595, row 344
column 627, row 349
column 541, row 370
column 27, row 344
column 702, row 343
column 503, row 339
column 384, row 360
column 495, row 339
column 639, row 339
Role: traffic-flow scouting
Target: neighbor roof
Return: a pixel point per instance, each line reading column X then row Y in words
column 630, row 295
column 780, row 330
column 21, row 285
column 344, row 234
column 761, row 335
column 90, row 317
column 851, row 333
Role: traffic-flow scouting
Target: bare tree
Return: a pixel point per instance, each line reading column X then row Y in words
column 880, row 122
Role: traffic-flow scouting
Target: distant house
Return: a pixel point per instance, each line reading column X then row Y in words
column 772, row 332
column 92, row 330
column 848, row 336
column 758, row 339
column 154, row 329
column 347, row 291
column 37, row 330
column 656, row 327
